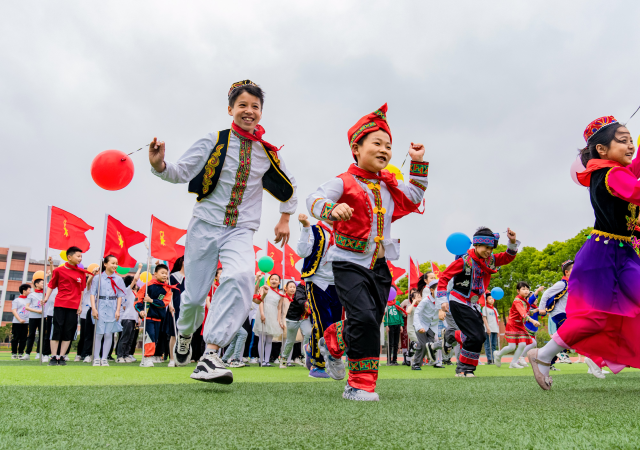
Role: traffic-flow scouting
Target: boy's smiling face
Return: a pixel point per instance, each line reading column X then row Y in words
column 161, row 275
column 373, row 151
column 246, row 111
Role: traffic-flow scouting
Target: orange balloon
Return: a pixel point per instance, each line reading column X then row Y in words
column 39, row 275
column 92, row 267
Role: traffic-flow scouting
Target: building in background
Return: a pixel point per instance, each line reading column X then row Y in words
column 16, row 268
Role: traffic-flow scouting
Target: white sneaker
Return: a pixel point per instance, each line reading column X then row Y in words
column 283, row 364
column 121, row 360
column 497, row 359
column 96, row 363
column 172, row 363
column 37, row 355
column 45, row 359
column 235, row 363
column 129, row 359
column 253, row 361
column 66, row 357
column 147, row 362
column 211, row 369
column 333, row 366
column 515, row 365
column 522, row 362
column 104, row 362
column 298, row 361
column 14, row 356
column 87, row 359
column 134, row 359
column 594, row 369
column 77, row 358
column 25, row 357
column 564, row 358
column 245, row 360
column 359, row 395
column 182, row 350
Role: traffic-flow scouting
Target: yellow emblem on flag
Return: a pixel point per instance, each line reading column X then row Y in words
column 162, row 241
column 293, row 263
column 64, row 225
column 120, row 240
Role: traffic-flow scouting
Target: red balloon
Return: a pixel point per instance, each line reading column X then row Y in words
column 112, row 170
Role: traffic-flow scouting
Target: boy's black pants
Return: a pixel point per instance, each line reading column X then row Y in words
column 87, row 335
column 124, row 343
column 19, row 333
column 34, row 325
column 394, row 341
column 472, row 334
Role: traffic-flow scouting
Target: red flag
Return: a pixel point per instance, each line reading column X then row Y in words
column 414, row 270
column 179, row 252
column 290, row 264
column 164, row 239
column 256, row 249
column 67, row 230
column 396, row 272
column 118, row 241
column 276, row 255
column 435, row 270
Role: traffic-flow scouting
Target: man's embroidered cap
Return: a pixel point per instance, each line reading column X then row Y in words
column 566, row 265
column 239, row 84
column 375, row 121
column 486, row 237
column 598, row 125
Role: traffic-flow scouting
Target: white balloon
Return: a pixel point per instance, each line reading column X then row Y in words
column 576, row 167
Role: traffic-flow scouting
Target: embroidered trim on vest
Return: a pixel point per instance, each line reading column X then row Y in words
column 240, row 185
column 379, row 211
column 418, row 185
column 609, row 236
column 210, row 168
column 419, row 169
column 632, row 222
column 358, row 133
column 350, row 243
column 314, row 260
column 364, row 365
column 327, row 209
column 339, row 335
column 606, row 181
column 313, row 206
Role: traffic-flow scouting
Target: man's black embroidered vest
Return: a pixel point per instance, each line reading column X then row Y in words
column 274, row 181
column 312, row 262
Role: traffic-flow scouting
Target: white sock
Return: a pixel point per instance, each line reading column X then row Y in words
column 546, row 354
column 508, row 349
column 97, row 344
column 106, row 346
column 518, row 352
column 533, row 345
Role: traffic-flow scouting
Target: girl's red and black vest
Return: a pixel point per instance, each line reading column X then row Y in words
column 353, row 234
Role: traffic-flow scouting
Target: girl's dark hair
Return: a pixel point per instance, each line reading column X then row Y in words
column 106, row 261
column 422, row 282
column 522, row 284
column 288, row 283
column 603, row 137
column 256, row 91
column 128, row 280
column 177, row 266
column 413, row 295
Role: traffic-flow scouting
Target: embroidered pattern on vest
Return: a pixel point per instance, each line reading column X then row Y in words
column 419, row 169
column 364, row 365
column 350, row 243
column 240, row 185
column 379, row 211
column 632, row 221
column 210, row 168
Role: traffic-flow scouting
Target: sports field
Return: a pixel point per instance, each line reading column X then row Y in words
column 125, row 406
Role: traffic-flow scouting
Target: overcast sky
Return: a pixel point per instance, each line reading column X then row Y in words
column 499, row 93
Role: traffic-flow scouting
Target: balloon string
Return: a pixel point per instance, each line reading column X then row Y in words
column 129, row 154
column 633, row 114
column 405, row 160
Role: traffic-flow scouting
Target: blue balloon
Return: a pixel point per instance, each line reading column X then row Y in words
column 458, row 243
column 497, row 293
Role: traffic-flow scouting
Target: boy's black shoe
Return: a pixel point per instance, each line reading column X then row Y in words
column 53, row 361
column 416, row 368
column 448, row 363
column 110, row 358
column 61, row 361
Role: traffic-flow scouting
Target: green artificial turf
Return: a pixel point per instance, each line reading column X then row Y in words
column 125, row 406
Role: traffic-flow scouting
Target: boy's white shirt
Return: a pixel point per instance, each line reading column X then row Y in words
column 324, row 273
column 426, row 313
column 492, row 319
column 212, row 209
column 34, row 301
column 19, row 305
column 51, row 303
column 332, row 190
column 561, row 304
column 129, row 299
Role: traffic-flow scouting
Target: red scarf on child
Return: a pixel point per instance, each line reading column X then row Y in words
column 39, row 291
column 403, row 205
column 256, row 137
column 331, row 238
column 77, row 269
column 584, row 177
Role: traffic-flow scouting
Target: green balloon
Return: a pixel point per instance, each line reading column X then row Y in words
column 265, row 264
column 123, row 270
column 261, row 281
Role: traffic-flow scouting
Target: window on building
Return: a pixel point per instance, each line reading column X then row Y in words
column 19, row 256
column 29, row 276
column 12, row 295
column 15, row 275
column 7, row 316
column 2, row 274
column 3, row 257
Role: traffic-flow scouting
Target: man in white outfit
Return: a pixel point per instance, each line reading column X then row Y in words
column 228, row 171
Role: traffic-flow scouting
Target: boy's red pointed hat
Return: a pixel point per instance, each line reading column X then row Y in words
column 375, row 121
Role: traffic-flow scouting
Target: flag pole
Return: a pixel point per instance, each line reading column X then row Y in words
column 95, row 326
column 144, row 324
column 44, row 286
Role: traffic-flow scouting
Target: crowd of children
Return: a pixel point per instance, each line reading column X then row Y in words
column 222, row 319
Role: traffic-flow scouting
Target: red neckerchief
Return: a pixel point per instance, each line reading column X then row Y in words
column 77, row 269
column 326, row 228
column 23, row 296
column 256, row 137
column 494, row 310
column 472, row 253
column 278, row 292
column 39, row 291
column 565, row 278
column 290, row 299
column 114, row 286
column 403, row 205
column 594, row 164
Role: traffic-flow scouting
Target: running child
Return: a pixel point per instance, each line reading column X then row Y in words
column 363, row 202
column 603, row 308
column 425, row 322
column 228, row 171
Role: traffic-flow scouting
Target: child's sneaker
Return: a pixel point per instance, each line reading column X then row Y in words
column 132, row 358
column 522, row 362
column 253, row 361
column 515, row 365
column 53, row 362
column 146, row 362
column 182, row 350
column 431, row 353
column 121, row 360
column 333, row 366
column 172, row 363
column 359, row 395
column 37, row 355
column 497, row 359
column 45, row 359
column 317, row 372
column 66, row 357
column 211, row 369
column 245, row 360
column 87, row 359
column 594, row 369
column 96, row 362
column 283, row 364
column 14, row 356
column 235, row 363
column 298, row 361
column 25, row 357
column 104, row 362
column 77, row 358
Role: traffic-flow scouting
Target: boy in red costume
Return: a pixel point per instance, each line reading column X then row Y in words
column 471, row 276
column 363, row 202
